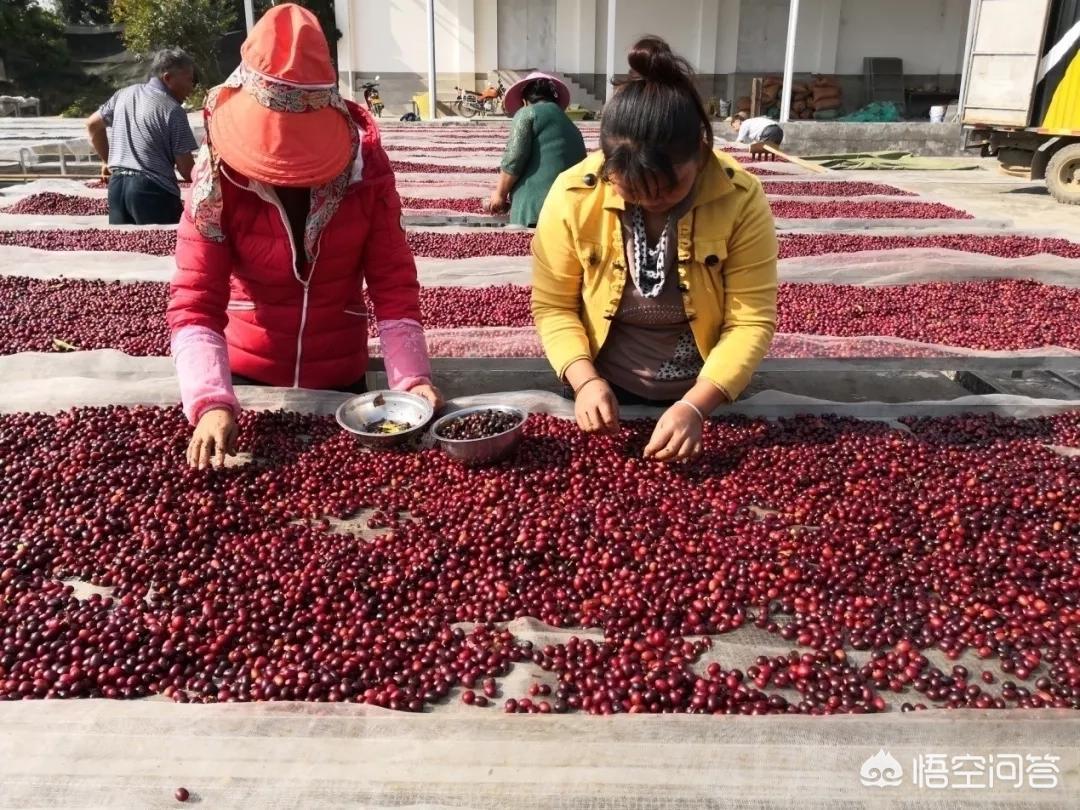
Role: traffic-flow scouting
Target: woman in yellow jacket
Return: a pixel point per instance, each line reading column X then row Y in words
column 654, row 263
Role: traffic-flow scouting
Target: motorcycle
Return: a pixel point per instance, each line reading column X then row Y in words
column 469, row 103
column 372, row 99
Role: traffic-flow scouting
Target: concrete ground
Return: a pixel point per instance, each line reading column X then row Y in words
column 985, row 192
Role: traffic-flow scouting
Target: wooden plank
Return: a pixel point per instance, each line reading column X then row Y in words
column 806, row 164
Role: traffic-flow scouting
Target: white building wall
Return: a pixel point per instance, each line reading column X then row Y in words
column 927, row 34
column 575, row 40
column 486, row 20
column 762, row 36
column 727, row 35
column 722, row 37
column 527, row 34
column 389, row 37
column 677, row 22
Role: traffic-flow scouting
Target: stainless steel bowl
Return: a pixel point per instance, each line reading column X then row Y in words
column 356, row 413
column 475, row 452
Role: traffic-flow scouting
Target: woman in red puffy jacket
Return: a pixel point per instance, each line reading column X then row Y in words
column 293, row 212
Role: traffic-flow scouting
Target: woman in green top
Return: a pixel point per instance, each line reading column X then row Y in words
column 543, row 144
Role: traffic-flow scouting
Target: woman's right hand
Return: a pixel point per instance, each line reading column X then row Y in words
column 213, row 439
column 596, row 407
column 496, row 204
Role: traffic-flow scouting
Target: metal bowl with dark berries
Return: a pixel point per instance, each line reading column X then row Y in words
column 483, row 434
column 381, row 419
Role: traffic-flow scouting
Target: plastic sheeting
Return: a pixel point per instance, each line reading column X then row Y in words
column 285, row 756
column 480, row 271
column 921, row 226
column 48, row 222
column 919, row 265
column 523, row 341
column 54, row 382
column 56, row 185
column 101, row 265
column 60, row 754
column 871, row 267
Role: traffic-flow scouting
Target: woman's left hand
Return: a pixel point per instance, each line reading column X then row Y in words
column 496, row 204
column 430, row 393
column 677, row 435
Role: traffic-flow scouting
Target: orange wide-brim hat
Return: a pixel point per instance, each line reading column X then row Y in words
column 278, row 127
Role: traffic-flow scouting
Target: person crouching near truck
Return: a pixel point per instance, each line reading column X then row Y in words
column 293, row 213
column 654, row 263
column 759, row 132
column 151, row 143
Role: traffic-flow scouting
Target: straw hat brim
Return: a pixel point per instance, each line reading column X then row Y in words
column 514, row 99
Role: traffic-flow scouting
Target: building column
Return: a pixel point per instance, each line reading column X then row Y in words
column 828, row 42
column 432, row 85
column 727, row 44
column 708, row 27
column 343, row 18
column 612, row 18
column 789, row 60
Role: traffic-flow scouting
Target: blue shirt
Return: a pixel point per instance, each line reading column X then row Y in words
column 149, row 129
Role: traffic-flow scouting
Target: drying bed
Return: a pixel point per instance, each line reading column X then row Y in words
column 319, row 571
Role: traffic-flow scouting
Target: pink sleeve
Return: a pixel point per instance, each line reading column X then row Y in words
column 202, row 366
column 405, row 354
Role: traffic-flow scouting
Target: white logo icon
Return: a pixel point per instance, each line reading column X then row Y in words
column 881, row 770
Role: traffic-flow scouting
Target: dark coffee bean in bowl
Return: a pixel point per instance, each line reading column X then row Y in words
column 479, row 425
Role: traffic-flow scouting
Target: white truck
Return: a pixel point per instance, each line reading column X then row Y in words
column 1021, row 100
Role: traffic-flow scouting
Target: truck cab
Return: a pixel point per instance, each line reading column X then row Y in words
column 1021, row 100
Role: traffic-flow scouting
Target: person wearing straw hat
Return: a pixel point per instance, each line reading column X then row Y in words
column 543, row 144
column 292, row 215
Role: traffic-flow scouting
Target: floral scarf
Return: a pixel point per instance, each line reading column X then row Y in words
column 280, row 96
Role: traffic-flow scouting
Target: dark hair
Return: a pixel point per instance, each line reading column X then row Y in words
column 540, row 90
column 656, row 120
column 168, row 60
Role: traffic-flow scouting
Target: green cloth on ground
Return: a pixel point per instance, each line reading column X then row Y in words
column 877, row 112
column 890, row 160
column 543, row 144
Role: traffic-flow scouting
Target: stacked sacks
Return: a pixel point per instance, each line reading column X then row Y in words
column 801, row 101
column 825, row 99
column 771, row 88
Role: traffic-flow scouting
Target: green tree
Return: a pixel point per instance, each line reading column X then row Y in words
column 194, row 25
column 37, row 60
column 84, row 12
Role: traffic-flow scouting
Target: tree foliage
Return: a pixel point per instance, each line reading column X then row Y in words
column 84, row 12
column 194, row 25
column 37, row 60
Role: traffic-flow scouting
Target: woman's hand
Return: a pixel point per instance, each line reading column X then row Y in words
column 497, row 203
column 677, row 435
column 430, row 393
column 214, row 438
column 596, row 408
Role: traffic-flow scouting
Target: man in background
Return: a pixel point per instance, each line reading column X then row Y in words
column 151, row 142
column 760, row 130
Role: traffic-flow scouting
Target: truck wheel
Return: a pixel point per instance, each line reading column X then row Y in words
column 1063, row 175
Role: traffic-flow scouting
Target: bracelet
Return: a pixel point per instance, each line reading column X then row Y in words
column 590, row 380
column 692, row 407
